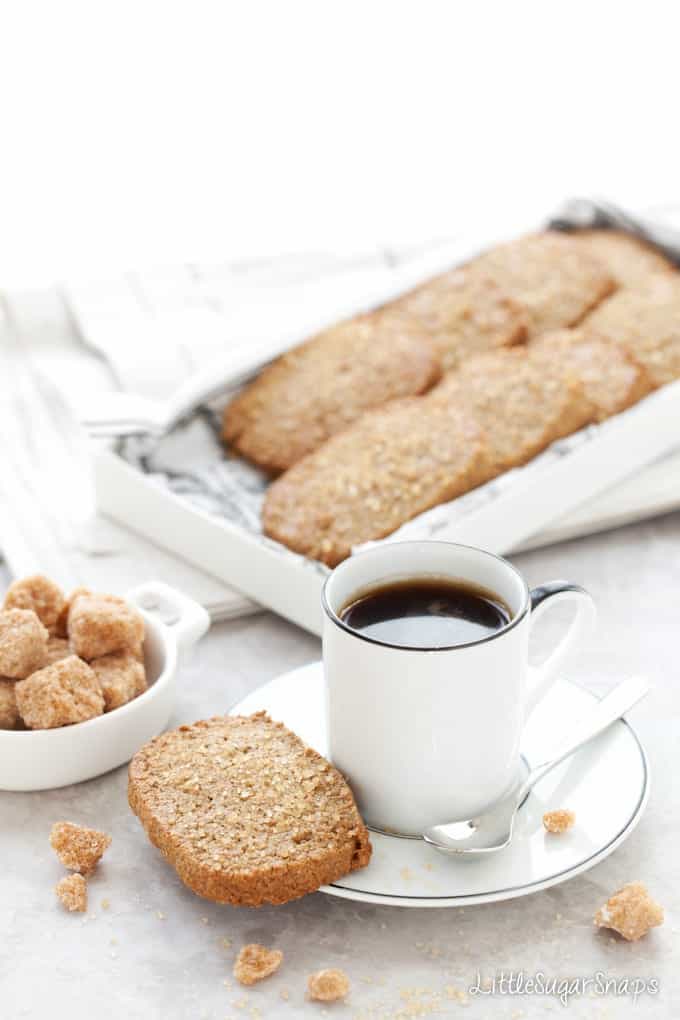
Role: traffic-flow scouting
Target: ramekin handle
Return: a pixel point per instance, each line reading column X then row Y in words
column 188, row 620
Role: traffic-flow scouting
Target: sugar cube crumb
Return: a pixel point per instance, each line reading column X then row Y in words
column 255, row 962
column 558, row 821
column 328, row 985
column 77, row 847
column 72, row 892
column 630, row 911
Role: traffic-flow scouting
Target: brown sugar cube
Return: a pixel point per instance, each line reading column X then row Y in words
column 99, row 624
column 558, row 821
column 61, row 626
column 255, row 962
column 66, row 692
column 9, row 713
column 122, row 678
column 630, row 911
column 57, row 648
column 72, row 891
column 328, row 985
column 78, row 847
column 23, row 643
column 38, row 593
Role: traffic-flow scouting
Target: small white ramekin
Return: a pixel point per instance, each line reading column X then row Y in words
column 46, row 759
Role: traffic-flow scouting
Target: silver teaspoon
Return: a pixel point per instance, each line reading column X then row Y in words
column 493, row 830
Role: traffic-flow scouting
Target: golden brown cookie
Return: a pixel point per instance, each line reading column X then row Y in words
column 521, row 403
column 392, row 464
column 551, row 275
column 465, row 313
column 645, row 321
column 629, row 260
column 245, row 812
column 323, row 385
column 612, row 378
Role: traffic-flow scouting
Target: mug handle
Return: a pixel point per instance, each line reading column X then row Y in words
column 541, row 678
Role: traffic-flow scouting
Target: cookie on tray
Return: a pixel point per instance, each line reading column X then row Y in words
column 245, row 812
column 392, row 464
column 323, row 385
column 645, row 321
column 465, row 313
column 612, row 378
column 629, row 260
column 520, row 401
column 551, row 276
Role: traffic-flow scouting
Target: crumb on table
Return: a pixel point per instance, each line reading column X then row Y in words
column 78, row 847
column 72, row 892
column 255, row 962
column 328, row 985
column 630, row 911
column 558, row 821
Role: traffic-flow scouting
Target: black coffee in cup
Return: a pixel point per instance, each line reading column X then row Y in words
column 426, row 613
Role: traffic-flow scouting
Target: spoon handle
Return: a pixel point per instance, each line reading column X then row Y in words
column 595, row 721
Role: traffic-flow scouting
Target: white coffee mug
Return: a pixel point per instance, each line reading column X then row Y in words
column 427, row 736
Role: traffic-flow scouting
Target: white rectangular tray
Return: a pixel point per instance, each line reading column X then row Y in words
column 601, row 477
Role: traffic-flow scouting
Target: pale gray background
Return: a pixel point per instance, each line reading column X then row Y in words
column 128, row 962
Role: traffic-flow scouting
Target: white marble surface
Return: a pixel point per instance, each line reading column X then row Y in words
column 159, row 951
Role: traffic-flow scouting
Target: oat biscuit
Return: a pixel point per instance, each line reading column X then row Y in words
column 521, row 403
column 611, row 377
column 65, row 692
column 629, row 260
column 99, row 624
column 645, row 321
column 245, row 812
column 255, row 963
column 558, row 821
column 329, row 985
column 23, row 643
column 38, row 593
column 630, row 911
column 323, row 385
column 78, row 847
column 9, row 713
column 551, row 275
column 465, row 313
column 121, row 676
column 362, row 484
column 72, row 892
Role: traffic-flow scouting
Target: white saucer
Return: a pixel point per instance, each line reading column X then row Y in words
column 606, row 784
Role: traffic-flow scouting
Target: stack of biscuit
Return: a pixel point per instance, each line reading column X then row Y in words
column 471, row 374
